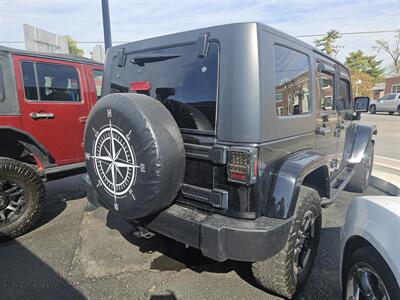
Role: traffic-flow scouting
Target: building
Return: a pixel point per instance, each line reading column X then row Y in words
column 392, row 85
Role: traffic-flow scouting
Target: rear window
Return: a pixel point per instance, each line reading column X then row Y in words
column 178, row 77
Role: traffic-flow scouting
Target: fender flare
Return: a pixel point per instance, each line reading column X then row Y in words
column 356, row 147
column 289, row 178
column 28, row 142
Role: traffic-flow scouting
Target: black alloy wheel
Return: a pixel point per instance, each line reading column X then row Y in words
column 305, row 243
column 12, row 203
column 365, row 283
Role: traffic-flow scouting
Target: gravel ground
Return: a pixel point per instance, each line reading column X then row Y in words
column 77, row 254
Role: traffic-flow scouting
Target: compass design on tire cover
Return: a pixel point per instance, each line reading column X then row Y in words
column 114, row 161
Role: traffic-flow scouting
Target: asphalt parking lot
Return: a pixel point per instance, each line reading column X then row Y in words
column 77, row 254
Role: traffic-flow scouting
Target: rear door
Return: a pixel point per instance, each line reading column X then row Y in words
column 384, row 104
column 186, row 84
column 327, row 118
column 94, row 75
column 329, row 138
column 390, row 103
column 54, row 105
column 344, row 108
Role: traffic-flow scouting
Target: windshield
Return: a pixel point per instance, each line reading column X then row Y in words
column 179, row 78
column 389, row 97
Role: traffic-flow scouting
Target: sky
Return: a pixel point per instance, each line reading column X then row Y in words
column 133, row 20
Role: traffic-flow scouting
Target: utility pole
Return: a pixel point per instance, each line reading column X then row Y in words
column 106, row 24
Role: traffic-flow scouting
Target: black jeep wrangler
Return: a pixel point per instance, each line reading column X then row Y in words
column 228, row 139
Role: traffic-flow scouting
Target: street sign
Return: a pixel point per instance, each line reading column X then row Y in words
column 40, row 40
column 98, row 54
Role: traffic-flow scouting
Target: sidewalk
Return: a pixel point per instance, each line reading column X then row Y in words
column 387, row 169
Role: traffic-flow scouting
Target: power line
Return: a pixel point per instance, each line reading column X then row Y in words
column 348, row 33
column 298, row 36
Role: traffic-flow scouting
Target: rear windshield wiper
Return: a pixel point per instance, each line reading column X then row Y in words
column 149, row 58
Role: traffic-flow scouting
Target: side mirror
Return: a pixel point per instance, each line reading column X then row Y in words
column 361, row 104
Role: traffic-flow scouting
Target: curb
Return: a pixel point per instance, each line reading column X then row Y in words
column 387, row 162
column 384, row 186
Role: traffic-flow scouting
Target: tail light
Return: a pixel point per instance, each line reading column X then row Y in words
column 242, row 165
column 140, row 86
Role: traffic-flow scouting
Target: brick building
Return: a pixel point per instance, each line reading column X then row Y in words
column 392, row 85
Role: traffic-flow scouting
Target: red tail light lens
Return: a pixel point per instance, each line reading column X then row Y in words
column 140, row 86
column 242, row 165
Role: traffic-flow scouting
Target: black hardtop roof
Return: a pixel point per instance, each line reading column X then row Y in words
column 259, row 25
column 65, row 57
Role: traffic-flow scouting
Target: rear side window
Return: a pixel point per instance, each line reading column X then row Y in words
column 292, row 82
column 50, row 82
column 98, row 80
column 325, row 91
column 29, row 81
column 179, row 78
column 388, row 97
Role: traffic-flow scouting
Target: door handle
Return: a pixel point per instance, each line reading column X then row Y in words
column 322, row 130
column 37, row 116
column 83, row 119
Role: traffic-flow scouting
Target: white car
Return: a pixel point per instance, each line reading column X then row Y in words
column 370, row 237
column 389, row 103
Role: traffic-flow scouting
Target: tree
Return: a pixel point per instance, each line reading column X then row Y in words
column 367, row 83
column 328, row 42
column 73, row 47
column 393, row 51
column 359, row 62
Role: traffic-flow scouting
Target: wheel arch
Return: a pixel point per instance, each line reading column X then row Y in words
column 357, row 142
column 306, row 167
column 357, row 242
column 19, row 144
column 353, row 243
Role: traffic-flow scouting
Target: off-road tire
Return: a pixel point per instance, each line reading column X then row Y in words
column 359, row 182
column 34, row 196
column 276, row 274
column 372, row 109
column 371, row 257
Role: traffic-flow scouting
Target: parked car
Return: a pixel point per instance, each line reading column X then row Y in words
column 370, row 262
column 389, row 103
column 228, row 139
column 44, row 103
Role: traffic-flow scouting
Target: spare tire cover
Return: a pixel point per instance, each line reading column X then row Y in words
column 134, row 153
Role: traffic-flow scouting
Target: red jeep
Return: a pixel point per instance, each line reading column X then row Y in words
column 44, row 103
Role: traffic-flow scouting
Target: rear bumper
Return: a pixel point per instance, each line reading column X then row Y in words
column 221, row 237
column 218, row 237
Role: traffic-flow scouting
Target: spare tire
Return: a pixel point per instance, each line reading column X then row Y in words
column 135, row 155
